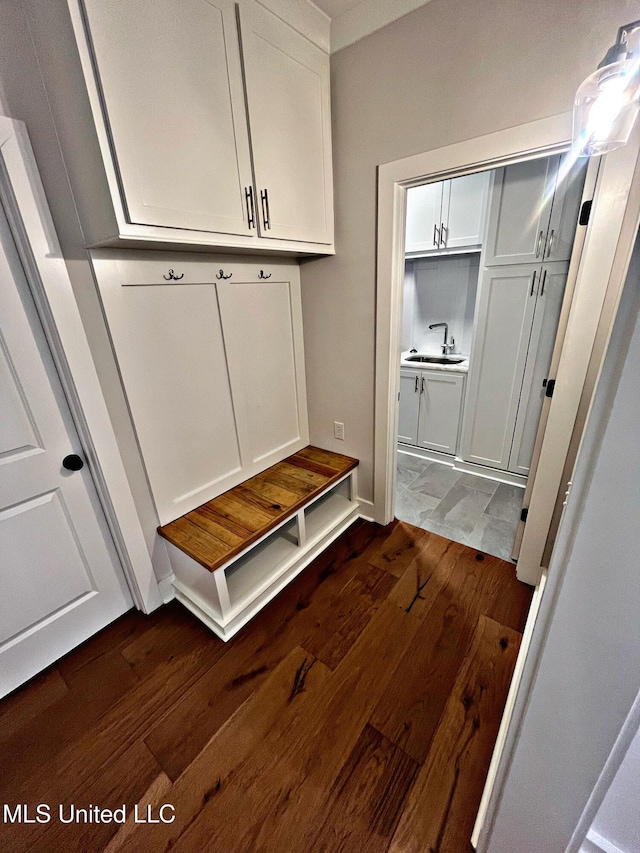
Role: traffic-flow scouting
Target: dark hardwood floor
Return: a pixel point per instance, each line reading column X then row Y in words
column 357, row 712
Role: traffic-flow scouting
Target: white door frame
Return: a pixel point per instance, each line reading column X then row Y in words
column 23, row 198
column 540, row 138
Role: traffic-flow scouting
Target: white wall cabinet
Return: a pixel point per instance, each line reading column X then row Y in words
column 533, row 212
column 430, row 408
column 180, row 135
column 212, row 364
column 447, row 215
column 507, row 359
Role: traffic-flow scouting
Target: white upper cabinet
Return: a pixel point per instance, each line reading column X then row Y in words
column 287, row 82
column 171, row 83
column 463, row 206
column 197, row 141
column 533, row 212
column 446, row 215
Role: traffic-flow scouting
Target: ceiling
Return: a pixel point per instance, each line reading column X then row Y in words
column 333, row 8
column 351, row 20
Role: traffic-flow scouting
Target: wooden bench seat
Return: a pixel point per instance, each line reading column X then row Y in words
column 222, row 528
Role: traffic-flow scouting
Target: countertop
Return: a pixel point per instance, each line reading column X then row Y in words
column 463, row 367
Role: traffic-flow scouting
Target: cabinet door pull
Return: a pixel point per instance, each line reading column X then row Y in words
column 416, row 387
column 422, row 386
column 220, row 274
column 264, row 200
column 436, row 236
column 533, row 282
column 251, row 214
column 539, row 243
column 550, row 246
column 444, row 234
column 172, row 276
column 263, row 276
column 544, row 278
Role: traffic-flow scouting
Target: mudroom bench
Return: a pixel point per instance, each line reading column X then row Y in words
column 233, row 554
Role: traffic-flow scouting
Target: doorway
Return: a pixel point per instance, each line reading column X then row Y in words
column 485, row 280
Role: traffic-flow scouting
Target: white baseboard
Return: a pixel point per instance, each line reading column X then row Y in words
column 459, row 464
column 167, row 592
column 367, row 510
column 596, row 843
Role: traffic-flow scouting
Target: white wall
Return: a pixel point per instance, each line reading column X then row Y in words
column 588, row 673
column 449, row 71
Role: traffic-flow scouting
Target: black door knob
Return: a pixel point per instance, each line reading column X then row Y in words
column 72, row 462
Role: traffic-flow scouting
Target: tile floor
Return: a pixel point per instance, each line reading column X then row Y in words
column 473, row 510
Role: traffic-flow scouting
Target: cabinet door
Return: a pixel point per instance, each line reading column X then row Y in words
column 171, row 84
column 440, row 403
column 409, row 405
column 424, row 217
column 565, row 211
column 171, row 357
column 262, row 325
column 506, row 303
column 463, row 206
column 543, row 336
column 287, row 84
column 519, row 212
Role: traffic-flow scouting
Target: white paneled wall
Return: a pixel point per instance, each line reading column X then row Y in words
column 439, row 290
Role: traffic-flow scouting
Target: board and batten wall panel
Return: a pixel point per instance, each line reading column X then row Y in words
column 427, row 80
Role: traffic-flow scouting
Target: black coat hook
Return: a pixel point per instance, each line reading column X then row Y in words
column 222, row 275
column 172, row 276
column 263, row 276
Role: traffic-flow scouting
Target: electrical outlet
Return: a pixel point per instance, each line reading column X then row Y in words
column 338, row 430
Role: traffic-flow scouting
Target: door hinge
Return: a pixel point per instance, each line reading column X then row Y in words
column 398, row 396
column 524, row 513
column 550, row 385
column 585, row 212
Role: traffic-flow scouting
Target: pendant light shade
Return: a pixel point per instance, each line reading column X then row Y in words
column 608, row 101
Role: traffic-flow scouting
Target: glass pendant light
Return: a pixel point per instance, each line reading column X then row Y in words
column 608, row 101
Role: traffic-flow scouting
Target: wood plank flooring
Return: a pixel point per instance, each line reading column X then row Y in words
column 217, row 531
column 357, row 712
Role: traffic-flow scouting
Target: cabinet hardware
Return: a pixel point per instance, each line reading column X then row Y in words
column 544, row 278
column 263, row 276
column 416, row 388
column 436, row 236
column 220, row 274
column 172, row 276
column 444, row 234
column 251, row 217
column 73, row 462
column 264, row 200
column 422, row 386
column 539, row 243
column 550, row 246
column 533, row 282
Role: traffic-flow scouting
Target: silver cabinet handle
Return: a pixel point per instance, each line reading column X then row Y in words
column 544, row 278
column 539, row 243
column 444, row 234
column 436, row 236
column 533, row 282
column 422, row 386
column 550, row 246
column 264, row 200
column 415, row 390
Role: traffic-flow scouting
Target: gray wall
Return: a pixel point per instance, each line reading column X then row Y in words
column 451, row 70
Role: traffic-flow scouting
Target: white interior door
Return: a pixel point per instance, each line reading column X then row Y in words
column 543, row 335
column 519, row 212
column 424, row 217
column 287, row 84
column 463, row 206
column 409, row 406
column 171, row 82
column 506, row 302
column 59, row 574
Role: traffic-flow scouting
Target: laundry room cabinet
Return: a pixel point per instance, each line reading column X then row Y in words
column 446, row 215
column 211, row 357
column 430, row 409
column 210, row 125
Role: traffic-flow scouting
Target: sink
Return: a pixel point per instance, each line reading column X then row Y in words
column 435, row 359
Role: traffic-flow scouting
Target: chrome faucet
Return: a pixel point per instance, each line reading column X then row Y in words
column 446, row 346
